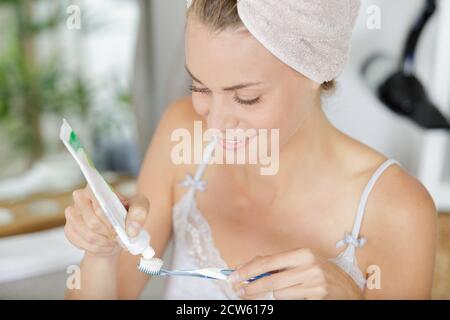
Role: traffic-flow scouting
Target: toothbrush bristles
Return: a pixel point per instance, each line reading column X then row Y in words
column 150, row 266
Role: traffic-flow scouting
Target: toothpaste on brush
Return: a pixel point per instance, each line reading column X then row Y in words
column 107, row 199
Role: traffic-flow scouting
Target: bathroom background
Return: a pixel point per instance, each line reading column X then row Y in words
column 111, row 74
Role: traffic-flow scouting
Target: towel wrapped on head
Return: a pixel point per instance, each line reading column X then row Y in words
column 311, row 36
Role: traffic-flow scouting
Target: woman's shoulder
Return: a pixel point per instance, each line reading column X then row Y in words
column 399, row 220
column 400, row 225
column 180, row 114
column 401, row 202
column 397, row 200
column 159, row 156
column 396, row 189
column 397, row 194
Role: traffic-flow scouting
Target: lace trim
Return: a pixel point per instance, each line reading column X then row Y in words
column 347, row 261
column 194, row 231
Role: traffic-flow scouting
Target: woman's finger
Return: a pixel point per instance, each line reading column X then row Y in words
column 76, row 222
column 77, row 240
column 99, row 211
column 261, row 296
column 299, row 292
column 137, row 215
column 301, row 258
column 283, row 279
column 84, row 207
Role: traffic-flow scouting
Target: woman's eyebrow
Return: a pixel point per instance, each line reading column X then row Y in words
column 232, row 88
column 191, row 75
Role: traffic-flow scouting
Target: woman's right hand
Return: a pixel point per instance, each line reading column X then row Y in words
column 88, row 228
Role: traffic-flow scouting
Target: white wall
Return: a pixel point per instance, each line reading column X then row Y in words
column 355, row 110
column 168, row 20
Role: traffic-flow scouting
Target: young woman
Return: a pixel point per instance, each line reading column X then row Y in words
column 337, row 221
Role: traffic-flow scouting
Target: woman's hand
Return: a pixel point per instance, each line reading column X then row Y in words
column 299, row 274
column 88, row 228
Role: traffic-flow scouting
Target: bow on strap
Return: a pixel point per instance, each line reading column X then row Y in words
column 349, row 239
column 190, row 181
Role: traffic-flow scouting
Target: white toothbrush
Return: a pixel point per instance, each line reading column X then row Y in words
column 153, row 267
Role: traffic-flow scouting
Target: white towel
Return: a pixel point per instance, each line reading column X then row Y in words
column 311, row 36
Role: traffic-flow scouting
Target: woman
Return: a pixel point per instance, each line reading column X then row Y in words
column 265, row 65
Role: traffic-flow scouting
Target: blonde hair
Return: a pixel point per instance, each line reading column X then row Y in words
column 222, row 14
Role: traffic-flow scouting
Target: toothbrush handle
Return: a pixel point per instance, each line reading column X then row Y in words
column 183, row 273
column 229, row 271
column 259, row 276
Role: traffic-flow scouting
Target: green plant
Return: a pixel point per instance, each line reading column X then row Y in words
column 30, row 85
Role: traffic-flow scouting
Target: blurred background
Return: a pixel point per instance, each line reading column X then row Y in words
column 111, row 67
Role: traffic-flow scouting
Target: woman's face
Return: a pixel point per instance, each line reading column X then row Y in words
column 239, row 84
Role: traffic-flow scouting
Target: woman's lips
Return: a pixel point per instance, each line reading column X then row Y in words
column 235, row 144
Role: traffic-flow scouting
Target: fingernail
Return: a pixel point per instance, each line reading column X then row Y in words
column 133, row 229
column 142, row 213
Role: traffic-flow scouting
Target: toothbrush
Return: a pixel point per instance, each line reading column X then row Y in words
column 153, row 267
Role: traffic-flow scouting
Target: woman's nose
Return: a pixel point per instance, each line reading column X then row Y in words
column 220, row 117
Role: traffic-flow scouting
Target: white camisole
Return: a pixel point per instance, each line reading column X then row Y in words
column 194, row 245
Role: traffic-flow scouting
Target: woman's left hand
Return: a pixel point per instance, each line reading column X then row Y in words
column 300, row 274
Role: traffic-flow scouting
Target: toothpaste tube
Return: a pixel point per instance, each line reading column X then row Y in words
column 107, row 199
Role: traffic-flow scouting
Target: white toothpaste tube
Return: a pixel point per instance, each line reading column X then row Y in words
column 107, row 199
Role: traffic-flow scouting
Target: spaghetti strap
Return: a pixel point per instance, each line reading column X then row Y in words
column 195, row 183
column 352, row 239
column 347, row 259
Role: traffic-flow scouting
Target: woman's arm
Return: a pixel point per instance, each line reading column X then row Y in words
column 95, row 284
column 401, row 229
column 107, row 271
column 156, row 181
column 88, row 229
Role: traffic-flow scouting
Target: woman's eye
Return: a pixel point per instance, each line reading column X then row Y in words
column 245, row 101
column 193, row 88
